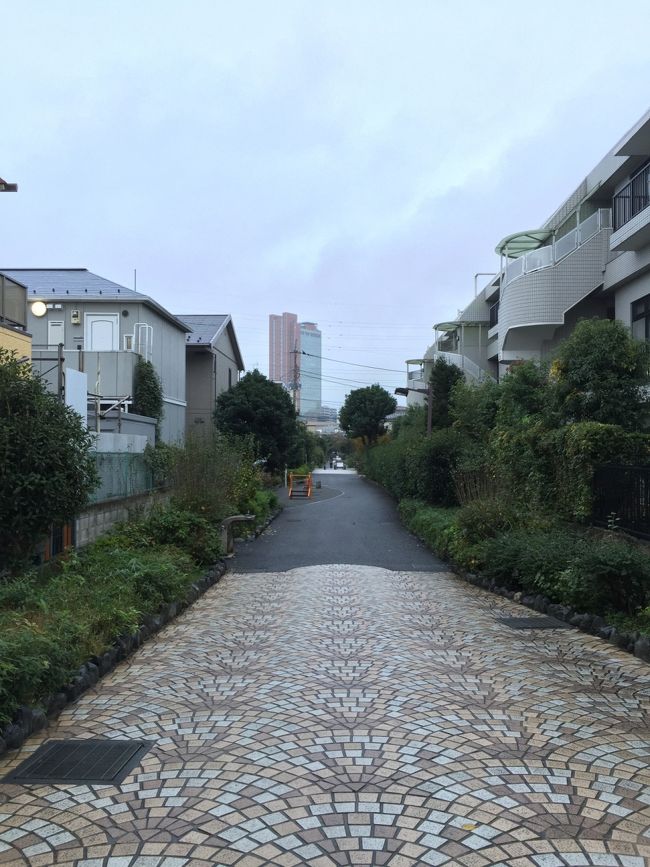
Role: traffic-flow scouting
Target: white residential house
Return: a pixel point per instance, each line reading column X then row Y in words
column 591, row 258
column 103, row 328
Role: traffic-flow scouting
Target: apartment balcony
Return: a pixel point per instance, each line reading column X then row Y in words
column 631, row 214
column 470, row 368
column 551, row 254
column 110, row 374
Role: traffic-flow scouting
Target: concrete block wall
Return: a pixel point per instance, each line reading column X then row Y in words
column 99, row 518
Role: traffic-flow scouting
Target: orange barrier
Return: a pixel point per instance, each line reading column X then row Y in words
column 299, row 486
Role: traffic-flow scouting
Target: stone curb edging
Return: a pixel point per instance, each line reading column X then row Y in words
column 632, row 642
column 29, row 720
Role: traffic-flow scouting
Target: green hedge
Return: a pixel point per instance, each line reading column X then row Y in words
column 591, row 571
column 419, row 467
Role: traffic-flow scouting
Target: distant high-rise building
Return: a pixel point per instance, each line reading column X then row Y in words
column 284, row 338
column 310, row 368
column 298, row 372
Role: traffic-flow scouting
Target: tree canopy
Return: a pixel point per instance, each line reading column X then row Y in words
column 443, row 378
column 47, row 468
column 599, row 372
column 257, row 407
column 363, row 413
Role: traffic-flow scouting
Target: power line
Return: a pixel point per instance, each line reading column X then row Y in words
column 353, row 363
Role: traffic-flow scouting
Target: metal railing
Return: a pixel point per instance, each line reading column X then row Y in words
column 471, row 368
column 551, row 254
column 621, row 499
column 632, row 199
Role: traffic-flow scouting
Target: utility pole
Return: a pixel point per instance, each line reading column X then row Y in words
column 295, row 382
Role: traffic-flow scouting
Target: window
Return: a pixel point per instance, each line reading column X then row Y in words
column 230, row 377
column 641, row 318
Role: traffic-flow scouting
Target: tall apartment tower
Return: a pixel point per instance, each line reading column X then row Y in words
column 310, row 368
column 284, row 337
column 299, row 373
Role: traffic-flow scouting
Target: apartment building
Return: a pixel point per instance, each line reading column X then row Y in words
column 591, row 258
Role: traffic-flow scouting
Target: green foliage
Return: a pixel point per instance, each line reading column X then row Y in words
column 51, row 623
column 573, row 451
column 258, row 408
column 599, row 372
column 411, row 425
column 167, row 525
column 147, row 391
column 160, row 460
column 422, row 468
column 443, row 378
column 473, row 408
column 605, row 575
column 363, row 413
column 308, row 449
column 214, row 475
column 433, row 526
column 48, row 469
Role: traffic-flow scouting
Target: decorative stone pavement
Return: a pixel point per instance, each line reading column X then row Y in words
column 340, row 715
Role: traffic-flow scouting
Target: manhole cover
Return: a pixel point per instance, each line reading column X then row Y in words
column 80, row 761
column 533, row 623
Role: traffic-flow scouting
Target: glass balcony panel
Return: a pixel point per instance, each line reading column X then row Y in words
column 588, row 228
column 542, row 257
column 565, row 245
column 514, row 269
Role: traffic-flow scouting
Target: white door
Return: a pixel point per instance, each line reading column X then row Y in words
column 102, row 332
column 55, row 333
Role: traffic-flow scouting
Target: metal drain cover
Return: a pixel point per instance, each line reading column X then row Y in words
column 533, row 623
column 80, row 761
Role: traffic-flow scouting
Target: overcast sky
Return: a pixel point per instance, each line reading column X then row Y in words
column 352, row 161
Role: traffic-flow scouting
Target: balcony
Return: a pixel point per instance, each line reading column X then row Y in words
column 631, row 214
column 549, row 255
column 110, row 374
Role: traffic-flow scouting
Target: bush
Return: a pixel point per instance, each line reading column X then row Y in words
column 48, row 470
column 529, row 559
column 172, row 525
column 606, row 575
column 429, row 524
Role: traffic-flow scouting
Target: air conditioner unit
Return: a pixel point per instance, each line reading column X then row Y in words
column 75, row 317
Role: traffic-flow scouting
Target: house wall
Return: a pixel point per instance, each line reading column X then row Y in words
column 225, row 362
column 19, row 342
column 632, row 291
column 199, row 389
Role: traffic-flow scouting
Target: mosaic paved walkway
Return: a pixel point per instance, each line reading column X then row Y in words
column 351, row 715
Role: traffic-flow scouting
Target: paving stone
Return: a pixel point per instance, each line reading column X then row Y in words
column 353, row 715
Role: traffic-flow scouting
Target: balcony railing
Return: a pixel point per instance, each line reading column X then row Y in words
column 466, row 364
column 632, row 199
column 551, row 254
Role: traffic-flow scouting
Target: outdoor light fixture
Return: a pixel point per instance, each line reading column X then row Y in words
column 39, row 308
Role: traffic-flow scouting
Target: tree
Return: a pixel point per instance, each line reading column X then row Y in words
column 443, row 378
column 363, row 413
column 473, row 408
column 47, row 469
column 147, row 391
column 261, row 408
column 599, row 374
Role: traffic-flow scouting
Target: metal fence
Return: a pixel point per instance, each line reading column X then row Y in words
column 622, row 498
column 122, row 474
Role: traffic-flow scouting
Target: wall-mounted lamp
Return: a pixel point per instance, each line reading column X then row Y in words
column 39, row 308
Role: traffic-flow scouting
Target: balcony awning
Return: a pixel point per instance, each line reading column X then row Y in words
column 415, row 361
column 520, row 243
column 452, row 326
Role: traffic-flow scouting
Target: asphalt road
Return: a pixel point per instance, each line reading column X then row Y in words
column 348, row 520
